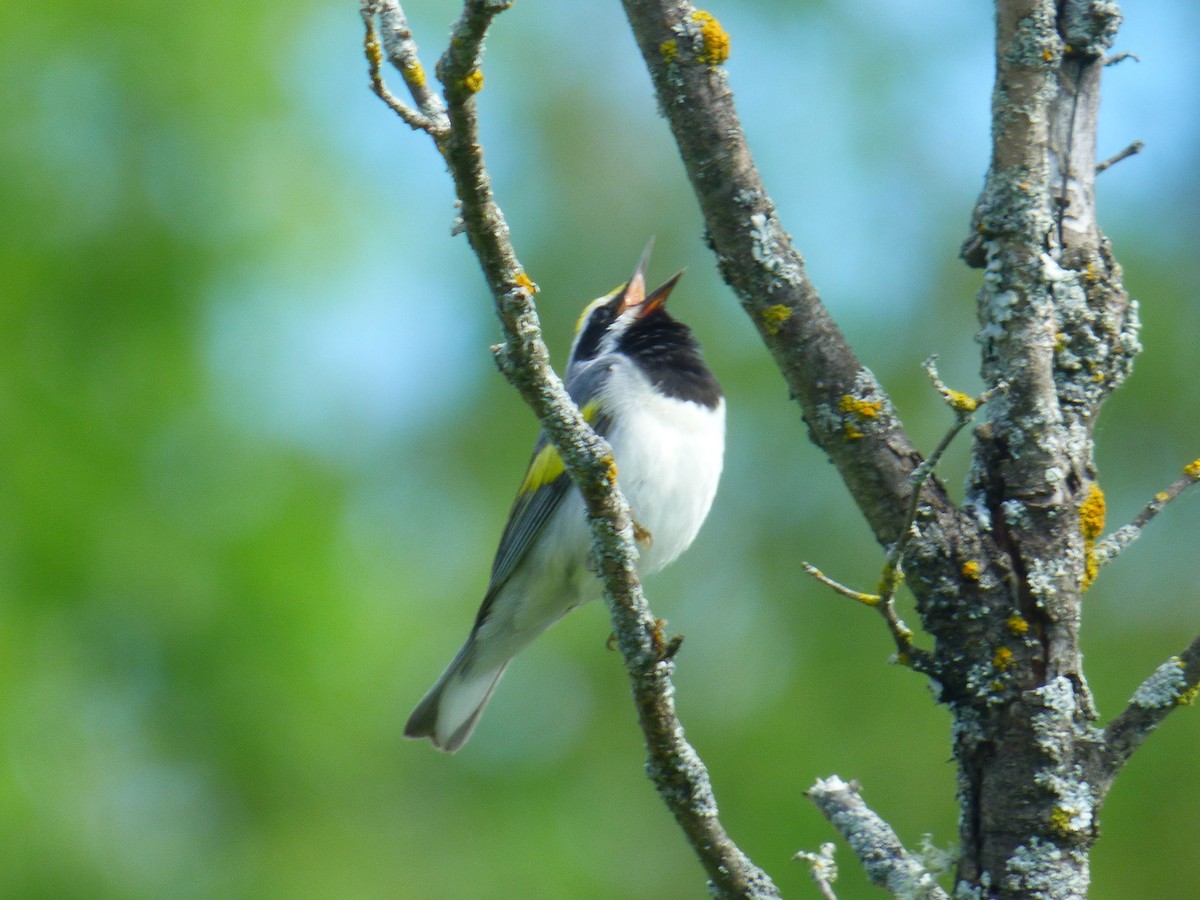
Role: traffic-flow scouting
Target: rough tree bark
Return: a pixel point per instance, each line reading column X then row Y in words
column 998, row 580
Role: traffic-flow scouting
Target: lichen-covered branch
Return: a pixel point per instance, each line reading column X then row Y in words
column 674, row 767
column 1058, row 328
column 1173, row 684
column 401, row 49
column 887, row 864
column 849, row 416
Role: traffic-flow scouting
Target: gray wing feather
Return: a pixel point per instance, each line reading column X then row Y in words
column 530, row 512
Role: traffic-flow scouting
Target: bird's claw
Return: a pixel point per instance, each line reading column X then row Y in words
column 642, row 535
column 665, row 647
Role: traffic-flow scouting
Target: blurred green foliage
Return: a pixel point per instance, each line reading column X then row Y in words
column 254, row 456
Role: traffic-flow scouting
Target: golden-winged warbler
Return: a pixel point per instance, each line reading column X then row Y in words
column 638, row 377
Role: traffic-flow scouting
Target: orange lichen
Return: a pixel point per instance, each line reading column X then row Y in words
column 970, row 570
column 715, row 39
column 864, row 409
column 1091, row 526
column 524, row 281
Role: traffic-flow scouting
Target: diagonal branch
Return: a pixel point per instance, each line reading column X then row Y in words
column 675, row 768
column 1173, row 684
column 849, row 416
column 1112, row 546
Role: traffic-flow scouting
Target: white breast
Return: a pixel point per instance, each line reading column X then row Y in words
column 669, row 455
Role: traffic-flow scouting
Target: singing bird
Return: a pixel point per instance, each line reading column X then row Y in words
column 639, row 379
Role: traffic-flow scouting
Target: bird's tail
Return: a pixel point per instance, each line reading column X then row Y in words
column 450, row 711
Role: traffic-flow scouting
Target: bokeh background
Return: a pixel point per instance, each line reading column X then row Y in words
column 254, row 454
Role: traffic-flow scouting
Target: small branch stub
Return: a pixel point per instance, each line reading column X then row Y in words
column 887, row 864
column 822, row 868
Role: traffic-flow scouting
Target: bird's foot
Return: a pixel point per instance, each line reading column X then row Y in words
column 642, row 535
column 664, row 647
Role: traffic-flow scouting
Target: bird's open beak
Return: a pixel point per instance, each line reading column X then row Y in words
column 635, row 290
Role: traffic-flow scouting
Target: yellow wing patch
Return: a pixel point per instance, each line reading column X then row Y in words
column 548, row 465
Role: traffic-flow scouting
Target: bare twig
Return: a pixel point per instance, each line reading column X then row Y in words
column 907, row 653
column 871, row 600
column 1111, row 547
column 1173, row 684
column 822, row 868
column 1133, row 149
column 887, row 864
column 1121, row 57
column 673, row 765
column 401, row 49
column 963, row 406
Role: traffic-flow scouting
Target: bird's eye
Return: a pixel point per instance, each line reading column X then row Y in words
column 587, row 314
column 592, row 325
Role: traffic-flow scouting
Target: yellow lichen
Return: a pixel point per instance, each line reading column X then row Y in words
column 610, row 472
column 774, row 316
column 669, row 50
column 374, row 53
column 851, row 433
column 1091, row 513
column 893, row 577
column 1016, row 624
column 864, row 409
column 1162, row 497
column 473, row 82
column 961, row 402
column 414, row 74
column 524, row 281
column 1060, row 342
column 1091, row 525
column 715, row 39
column 970, row 570
column 1002, row 658
column 1192, row 470
column 1188, row 697
column 1060, row 820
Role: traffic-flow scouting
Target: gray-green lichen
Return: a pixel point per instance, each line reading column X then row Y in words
column 1044, row 870
column 1089, row 26
column 1163, row 688
column 1053, row 723
column 1074, row 810
column 768, row 247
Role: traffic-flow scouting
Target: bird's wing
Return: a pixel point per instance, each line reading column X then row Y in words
column 541, row 492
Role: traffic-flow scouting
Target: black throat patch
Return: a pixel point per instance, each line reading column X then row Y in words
column 666, row 352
